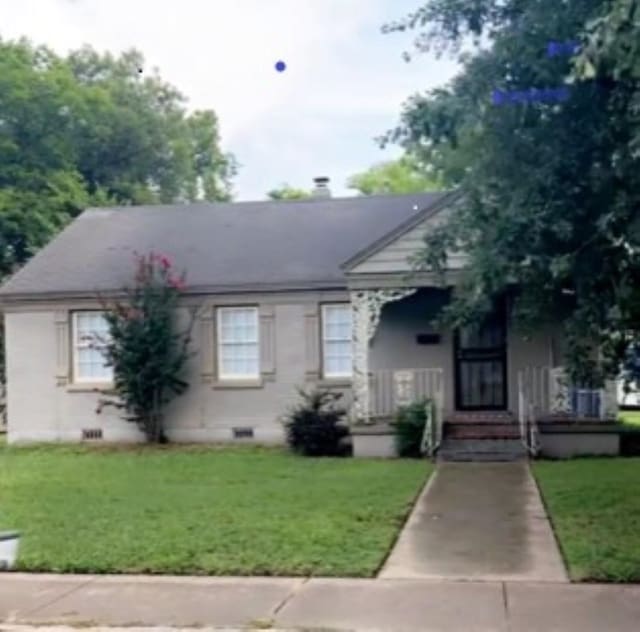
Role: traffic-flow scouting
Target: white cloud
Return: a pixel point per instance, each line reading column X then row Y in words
column 343, row 85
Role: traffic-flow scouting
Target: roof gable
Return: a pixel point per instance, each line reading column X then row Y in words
column 390, row 253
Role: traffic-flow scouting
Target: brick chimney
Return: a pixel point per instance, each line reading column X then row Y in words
column 321, row 187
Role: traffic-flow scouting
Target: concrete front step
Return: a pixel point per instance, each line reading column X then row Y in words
column 482, row 450
column 455, row 430
column 481, row 417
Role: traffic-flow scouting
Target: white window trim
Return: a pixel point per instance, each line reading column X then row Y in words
column 76, row 377
column 235, row 377
column 325, row 374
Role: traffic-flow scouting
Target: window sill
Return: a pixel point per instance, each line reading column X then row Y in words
column 89, row 387
column 335, row 382
column 232, row 384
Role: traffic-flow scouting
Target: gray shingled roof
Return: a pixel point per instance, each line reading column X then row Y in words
column 222, row 246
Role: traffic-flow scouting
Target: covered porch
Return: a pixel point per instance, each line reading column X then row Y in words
column 489, row 382
column 490, row 378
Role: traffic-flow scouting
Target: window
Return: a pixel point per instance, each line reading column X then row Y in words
column 336, row 340
column 90, row 335
column 238, row 356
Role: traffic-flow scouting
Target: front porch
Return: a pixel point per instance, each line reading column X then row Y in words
column 493, row 389
column 490, row 382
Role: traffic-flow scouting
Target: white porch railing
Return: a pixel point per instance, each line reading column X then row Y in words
column 391, row 388
column 432, row 436
column 533, row 387
column 546, row 392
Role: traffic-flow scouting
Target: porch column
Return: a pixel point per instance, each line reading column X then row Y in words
column 559, row 391
column 609, row 402
column 366, row 307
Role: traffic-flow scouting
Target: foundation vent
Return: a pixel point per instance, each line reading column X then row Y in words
column 91, row 434
column 242, row 433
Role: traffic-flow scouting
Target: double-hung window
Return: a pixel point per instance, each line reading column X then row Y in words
column 238, row 350
column 336, row 340
column 90, row 336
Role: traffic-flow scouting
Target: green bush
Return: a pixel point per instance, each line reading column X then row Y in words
column 409, row 428
column 314, row 427
column 630, row 443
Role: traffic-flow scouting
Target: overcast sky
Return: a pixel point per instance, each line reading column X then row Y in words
column 344, row 84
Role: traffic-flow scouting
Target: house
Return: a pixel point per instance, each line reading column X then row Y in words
column 316, row 292
column 628, row 398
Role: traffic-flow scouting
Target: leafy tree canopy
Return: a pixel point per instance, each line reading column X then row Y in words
column 286, row 192
column 405, row 175
column 552, row 189
column 91, row 129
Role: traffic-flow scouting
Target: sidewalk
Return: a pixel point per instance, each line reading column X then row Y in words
column 478, row 521
column 329, row 604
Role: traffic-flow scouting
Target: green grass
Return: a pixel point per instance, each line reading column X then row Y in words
column 630, row 417
column 197, row 510
column 595, row 509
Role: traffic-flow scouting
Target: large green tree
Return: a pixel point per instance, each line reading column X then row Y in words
column 552, row 186
column 88, row 129
column 404, row 175
column 287, row 192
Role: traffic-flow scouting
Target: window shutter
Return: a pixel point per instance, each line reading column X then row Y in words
column 207, row 345
column 267, row 338
column 63, row 347
column 312, row 342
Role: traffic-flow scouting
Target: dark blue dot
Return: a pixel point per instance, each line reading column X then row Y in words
column 553, row 49
column 280, row 66
column 498, row 97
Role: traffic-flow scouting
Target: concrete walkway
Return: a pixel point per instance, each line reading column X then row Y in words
column 480, row 521
column 327, row 604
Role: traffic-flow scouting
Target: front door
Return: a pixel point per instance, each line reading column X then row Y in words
column 481, row 364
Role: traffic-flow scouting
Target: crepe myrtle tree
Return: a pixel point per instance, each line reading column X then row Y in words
column 148, row 354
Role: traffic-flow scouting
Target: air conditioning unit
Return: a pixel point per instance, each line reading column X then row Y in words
column 585, row 402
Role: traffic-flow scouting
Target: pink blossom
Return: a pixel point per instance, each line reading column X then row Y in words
column 176, row 283
column 165, row 261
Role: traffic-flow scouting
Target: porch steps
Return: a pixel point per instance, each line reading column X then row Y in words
column 482, row 450
column 481, row 436
column 481, row 417
column 481, row 431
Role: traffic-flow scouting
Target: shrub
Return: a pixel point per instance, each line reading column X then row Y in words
column 630, row 443
column 147, row 355
column 409, row 428
column 315, row 426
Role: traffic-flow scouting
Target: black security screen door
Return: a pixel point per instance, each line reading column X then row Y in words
column 481, row 366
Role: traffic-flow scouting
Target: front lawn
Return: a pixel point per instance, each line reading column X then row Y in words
column 594, row 505
column 198, row 510
column 630, row 417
